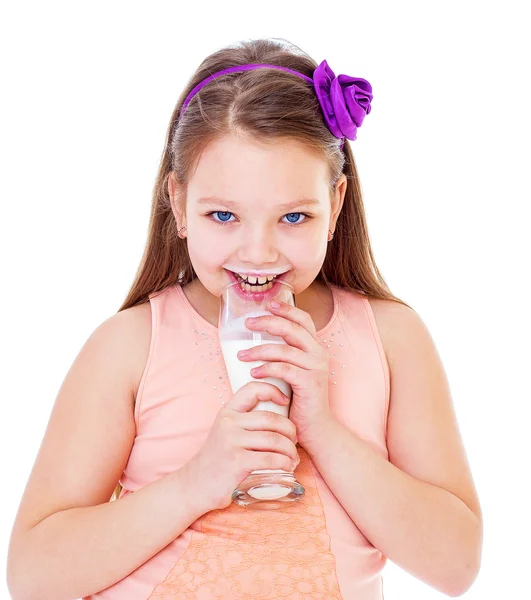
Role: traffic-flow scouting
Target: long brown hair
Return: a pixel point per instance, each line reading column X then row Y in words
column 261, row 104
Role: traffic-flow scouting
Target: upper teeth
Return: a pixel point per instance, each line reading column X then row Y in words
column 260, row 280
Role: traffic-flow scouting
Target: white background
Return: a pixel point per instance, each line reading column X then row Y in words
column 88, row 90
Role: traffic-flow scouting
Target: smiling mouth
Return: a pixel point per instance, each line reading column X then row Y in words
column 255, row 287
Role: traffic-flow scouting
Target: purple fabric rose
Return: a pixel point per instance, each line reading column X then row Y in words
column 345, row 100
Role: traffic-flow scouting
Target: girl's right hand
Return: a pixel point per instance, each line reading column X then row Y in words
column 240, row 442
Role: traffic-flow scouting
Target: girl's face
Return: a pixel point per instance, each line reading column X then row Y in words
column 254, row 207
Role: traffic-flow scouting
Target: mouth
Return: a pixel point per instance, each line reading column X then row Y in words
column 256, row 287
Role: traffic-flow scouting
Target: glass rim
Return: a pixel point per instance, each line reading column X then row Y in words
column 278, row 281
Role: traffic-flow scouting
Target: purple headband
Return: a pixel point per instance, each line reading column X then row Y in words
column 344, row 100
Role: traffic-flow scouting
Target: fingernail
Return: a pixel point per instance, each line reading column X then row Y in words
column 242, row 353
column 274, row 304
column 252, row 320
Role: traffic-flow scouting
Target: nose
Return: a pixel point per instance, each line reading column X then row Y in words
column 258, row 247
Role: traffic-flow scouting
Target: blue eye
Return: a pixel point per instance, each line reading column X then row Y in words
column 224, row 217
column 220, row 212
column 292, row 214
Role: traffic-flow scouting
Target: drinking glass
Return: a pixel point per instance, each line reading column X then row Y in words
column 268, row 488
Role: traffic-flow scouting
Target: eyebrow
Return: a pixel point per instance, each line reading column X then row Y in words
column 285, row 206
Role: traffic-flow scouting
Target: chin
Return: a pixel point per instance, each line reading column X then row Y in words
column 208, row 284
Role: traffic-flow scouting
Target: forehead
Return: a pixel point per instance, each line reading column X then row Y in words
column 239, row 169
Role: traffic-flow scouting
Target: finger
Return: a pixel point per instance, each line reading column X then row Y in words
column 264, row 420
column 292, row 333
column 295, row 314
column 295, row 376
column 269, row 460
column 253, row 392
column 272, row 441
column 280, row 353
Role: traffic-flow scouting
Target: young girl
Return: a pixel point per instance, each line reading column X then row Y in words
column 256, row 176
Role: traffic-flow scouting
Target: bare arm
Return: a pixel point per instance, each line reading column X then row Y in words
column 423, row 528
column 420, row 508
column 80, row 551
column 66, row 534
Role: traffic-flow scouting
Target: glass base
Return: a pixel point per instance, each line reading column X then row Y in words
column 268, row 490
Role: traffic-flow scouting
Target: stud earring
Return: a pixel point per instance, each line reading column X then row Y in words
column 331, row 236
column 179, row 233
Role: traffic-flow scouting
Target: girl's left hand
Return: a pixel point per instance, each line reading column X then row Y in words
column 301, row 361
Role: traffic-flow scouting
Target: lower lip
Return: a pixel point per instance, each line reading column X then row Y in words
column 255, row 295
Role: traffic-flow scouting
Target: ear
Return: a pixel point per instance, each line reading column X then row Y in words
column 337, row 200
column 173, row 191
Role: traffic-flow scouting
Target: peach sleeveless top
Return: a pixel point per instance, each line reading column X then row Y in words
column 310, row 549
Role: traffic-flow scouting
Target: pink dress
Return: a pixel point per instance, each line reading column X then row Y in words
column 310, row 549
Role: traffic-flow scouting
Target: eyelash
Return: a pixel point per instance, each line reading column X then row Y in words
column 228, row 222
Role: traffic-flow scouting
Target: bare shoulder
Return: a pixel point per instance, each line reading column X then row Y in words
column 423, row 436
column 405, row 337
column 128, row 333
column 390, row 317
column 134, row 325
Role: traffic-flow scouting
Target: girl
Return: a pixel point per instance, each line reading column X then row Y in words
column 256, row 176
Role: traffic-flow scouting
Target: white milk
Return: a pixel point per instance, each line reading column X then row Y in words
column 239, row 372
column 239, row 375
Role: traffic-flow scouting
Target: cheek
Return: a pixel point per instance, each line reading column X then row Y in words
column 206, row 252
column 208, row 248
column 308, row 252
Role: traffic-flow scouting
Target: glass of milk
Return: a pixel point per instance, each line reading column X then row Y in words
column 264, row 488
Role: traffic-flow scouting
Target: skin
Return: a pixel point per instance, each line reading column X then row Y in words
column 258, row 178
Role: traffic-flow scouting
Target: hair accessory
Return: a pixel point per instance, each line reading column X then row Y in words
column 344, row 100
